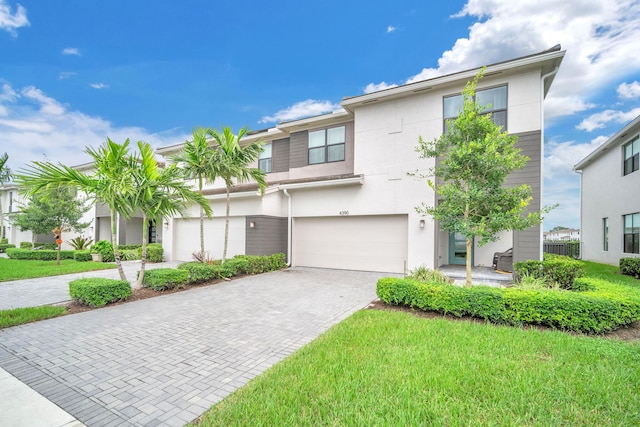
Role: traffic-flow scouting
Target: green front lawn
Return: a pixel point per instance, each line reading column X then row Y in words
column 19, row 316
column 14, row 269
column 392, row 368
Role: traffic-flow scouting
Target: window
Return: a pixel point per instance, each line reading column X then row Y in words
column 631, row 153
column 326, row 145
column 264, row 161
column 494, row 98
column 631, row 233
column 10, row 201
column 605, row 234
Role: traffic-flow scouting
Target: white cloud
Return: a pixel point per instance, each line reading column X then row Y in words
column 99, row 85
column 391, row 29
column 307, row 108
column 629, row 90
column 375, row 87
column 12, row 21
column 66, row 75
column 35, row 125
column 601, row 119
column 600, row 38
column 71, row 51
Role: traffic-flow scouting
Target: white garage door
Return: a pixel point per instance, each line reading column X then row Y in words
column 187, row 237
column 368, row 243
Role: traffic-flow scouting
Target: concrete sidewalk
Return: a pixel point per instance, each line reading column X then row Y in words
column 166, row 360
column 55, row 289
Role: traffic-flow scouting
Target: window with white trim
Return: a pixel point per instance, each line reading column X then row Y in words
column 326, row 145
column 631, row 238
column 494, row 99
column 264, row 160
column 631, row 153
column 605, row 234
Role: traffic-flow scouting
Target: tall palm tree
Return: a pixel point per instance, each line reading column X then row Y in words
column 160, row 192
column 111, row 183
column 196, row 160
column 232, row 164
column 5, row 175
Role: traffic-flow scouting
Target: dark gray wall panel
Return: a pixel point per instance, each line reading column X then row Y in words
column 280, row 155
column 269, row 236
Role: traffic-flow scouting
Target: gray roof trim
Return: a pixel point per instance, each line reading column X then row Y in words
column 618, row 138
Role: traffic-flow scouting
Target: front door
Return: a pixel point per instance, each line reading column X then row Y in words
column 458, row 249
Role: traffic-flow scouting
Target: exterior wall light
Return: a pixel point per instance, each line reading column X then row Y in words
column 252, row 224
column 422, row 223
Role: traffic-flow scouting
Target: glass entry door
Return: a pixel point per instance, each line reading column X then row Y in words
column 458, row 249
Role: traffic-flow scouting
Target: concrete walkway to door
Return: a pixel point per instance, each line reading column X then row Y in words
column 166, row 360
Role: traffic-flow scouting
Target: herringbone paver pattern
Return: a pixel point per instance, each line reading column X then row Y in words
column 165, row 360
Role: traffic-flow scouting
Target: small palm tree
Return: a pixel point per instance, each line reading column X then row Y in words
column 196, row 160
column 111, row 182
column 232, row 164
column 160, row 192
column 5, row 175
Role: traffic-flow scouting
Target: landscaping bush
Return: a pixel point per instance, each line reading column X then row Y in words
column 82, row 256
column 80, row 243
column 584, row 284
column 4, row 241
column 41, row 255
column 200, row 272
column 165, row 278
column 5, row 246
column 105, row 248
column 606, row 308
column 425, row 274
column 154, row 252
column 558, row 269
column 630, row 267
column 255, row 264
column 51, row 246
column 129, row 254
column 97, row 292
column 129, row 247
column 26, row 245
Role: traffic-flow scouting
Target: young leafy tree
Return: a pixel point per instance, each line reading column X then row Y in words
column 5, row 175
column 475, row 157
column 56, row 209
column 111, row 182
column 160, row 192
column 232, row 163
column 196, row 161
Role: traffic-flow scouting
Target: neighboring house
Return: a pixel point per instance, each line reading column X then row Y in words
column 610, row 197
column 339, row 195
column 563, row 234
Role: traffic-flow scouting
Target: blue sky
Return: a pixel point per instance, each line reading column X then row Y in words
column 74, row 72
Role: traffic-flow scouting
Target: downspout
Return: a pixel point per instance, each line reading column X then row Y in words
column 288, row 227
column 543, row 78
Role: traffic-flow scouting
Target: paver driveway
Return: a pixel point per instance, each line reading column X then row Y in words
column 165, row 360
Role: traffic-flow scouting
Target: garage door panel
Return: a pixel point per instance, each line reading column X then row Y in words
column 187, row 237
column 371, row 243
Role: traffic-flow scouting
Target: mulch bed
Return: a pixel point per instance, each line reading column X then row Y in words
column 629, row 333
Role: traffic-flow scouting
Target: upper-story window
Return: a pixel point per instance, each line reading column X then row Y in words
column 631, row 151
column 326, row 145
column 495, row 99
column 264, row 161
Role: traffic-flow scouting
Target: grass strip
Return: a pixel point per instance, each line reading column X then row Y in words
column 382, row 368
column 14, row 269
column 19, row 316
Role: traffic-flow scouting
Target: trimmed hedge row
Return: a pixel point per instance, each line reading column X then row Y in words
column 160, row 279
column 555, row 268
column 607, row 307
column 41, row 255
column 5, row 246
column 82, row 256
column 240, row 264
column 630, row 267
column 155, row 253
column 97, row 292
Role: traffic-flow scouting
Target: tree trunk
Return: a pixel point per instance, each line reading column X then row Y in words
column 226, row 227
column 114, row 242
column 201, row 227
column 468, row 260
column 143, row 255
column 58, row 254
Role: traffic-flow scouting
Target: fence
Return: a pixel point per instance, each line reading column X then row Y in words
column 571, row 248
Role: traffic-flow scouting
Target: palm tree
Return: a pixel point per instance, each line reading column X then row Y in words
column 5, row 175
column 111, row 183
column 232, row 164
column 196, row 162
column 160, row 192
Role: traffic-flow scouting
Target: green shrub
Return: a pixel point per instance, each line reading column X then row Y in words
column 255, row 264
column 557, row 269
column 80, row 243
column 26, row 245
column 425, row 274
column 200, row 272
column 82, row 256
column 129, row 254
column 630, row 267
column 165, row 278
column 606, row 308
column 154, row 252
column 105, row 248
column 48, row 246
column 4, row 241
column 40, row 255
column 129, row 247
column 527, row 281
column 97, row 292
column 585, row 284
column 5, row 246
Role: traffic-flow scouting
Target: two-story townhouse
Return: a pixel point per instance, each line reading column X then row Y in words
column 562, row 234
column 610, row 197
column 339, row 194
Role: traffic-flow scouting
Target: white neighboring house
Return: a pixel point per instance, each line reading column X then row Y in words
column 11, row 201
column 338, row 192
column 610, row 197
column 563, row 234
